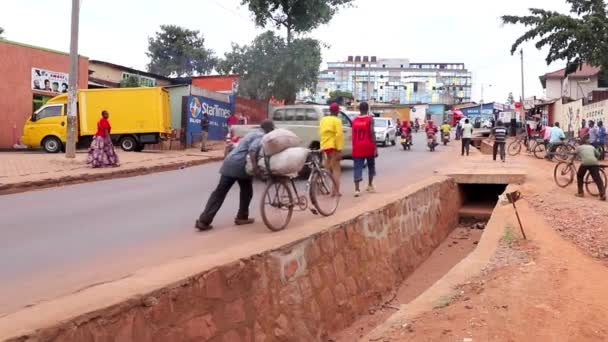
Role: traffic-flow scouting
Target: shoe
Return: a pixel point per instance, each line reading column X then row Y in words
column 579, row 195
column 243, row 222
column 202, row 226
column 357, row 193
column 370, row 188
column 603, row 198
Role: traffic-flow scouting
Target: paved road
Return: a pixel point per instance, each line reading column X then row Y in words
column 59, row 240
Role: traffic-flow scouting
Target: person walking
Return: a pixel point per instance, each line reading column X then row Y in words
column 589, row 156
column 233, row 171
column 101, row 152
column 364, row 148
column 500, row 136
column 601, row 139
column 332, row 143
column 204, row 132
column 467, row 135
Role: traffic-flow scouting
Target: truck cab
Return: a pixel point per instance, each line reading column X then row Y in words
column 46, row 127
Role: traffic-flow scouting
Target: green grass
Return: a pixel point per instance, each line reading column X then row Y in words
column 509, row 237
column 443, row 302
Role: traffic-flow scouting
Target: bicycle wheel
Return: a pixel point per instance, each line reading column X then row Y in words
column 323, row 193
column 514, row 148
column 563, row 174
column 540, row 151
column 590, row 184
column 276, row 205
column 562, row 152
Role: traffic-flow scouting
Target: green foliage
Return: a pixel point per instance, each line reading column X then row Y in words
column 581, row 36
column 297, row 16
column 177, row 51
column 1, row 32
column 510, row 99
column 130, row 82
column 340, row 96
column 268, row 67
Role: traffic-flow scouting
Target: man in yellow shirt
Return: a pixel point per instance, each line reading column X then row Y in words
column 332, row 142
column 446, row 128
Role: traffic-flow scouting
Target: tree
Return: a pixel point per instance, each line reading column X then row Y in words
column 340, row 96
column 581, row 37
column 510, row 99
column 130, row 82
column 176, row 51
column 1, row 32
column 297, row 16
column 268, row 67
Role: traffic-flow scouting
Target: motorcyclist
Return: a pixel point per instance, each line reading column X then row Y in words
column 431, row 130
column 446, row 128
column 406, row 130
column 416, row 125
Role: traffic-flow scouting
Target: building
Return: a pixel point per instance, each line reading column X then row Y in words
column 396, row 81
column 578, row 85
column 108, row 75
column 30, row 76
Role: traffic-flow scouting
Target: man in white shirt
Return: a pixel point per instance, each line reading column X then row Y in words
column 467, row 135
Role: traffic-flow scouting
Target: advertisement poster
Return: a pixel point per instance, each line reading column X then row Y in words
column 218, row 113
column 49, row 81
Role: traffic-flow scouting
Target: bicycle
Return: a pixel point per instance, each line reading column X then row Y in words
column 281, row 195
column 514, row 147
column 565, row 172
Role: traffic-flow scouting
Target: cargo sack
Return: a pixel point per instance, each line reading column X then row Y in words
column 279, row 140
column 286, row 163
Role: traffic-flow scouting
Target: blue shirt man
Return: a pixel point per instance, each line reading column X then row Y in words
column 557, row 134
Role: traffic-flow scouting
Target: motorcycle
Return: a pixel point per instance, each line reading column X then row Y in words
column 406, row 142
column 416, row 127
column 445, row 138
column 431, row 143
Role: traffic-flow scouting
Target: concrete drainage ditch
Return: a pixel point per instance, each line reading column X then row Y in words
column 307, row 290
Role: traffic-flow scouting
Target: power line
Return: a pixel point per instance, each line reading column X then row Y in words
column 228, row 9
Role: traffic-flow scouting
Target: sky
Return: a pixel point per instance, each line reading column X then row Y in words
column 467, row 31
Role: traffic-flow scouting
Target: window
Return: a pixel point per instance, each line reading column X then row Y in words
column 289, row 115
column 278, row 115
column 300, row 114
column 381, row 76
column 312, row 115
column 602, row 82
column 381, row 87
column 49, row 112
column 381, row 98
column 384, row 65
column 396, row 87
column 345, row 120
column 363, row 65
column 401, row 66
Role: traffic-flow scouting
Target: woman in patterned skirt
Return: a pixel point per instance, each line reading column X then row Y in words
column 101, row 152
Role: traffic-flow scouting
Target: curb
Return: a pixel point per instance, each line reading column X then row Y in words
column 7, row 189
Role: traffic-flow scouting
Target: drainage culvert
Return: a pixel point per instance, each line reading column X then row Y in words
column 304, row 291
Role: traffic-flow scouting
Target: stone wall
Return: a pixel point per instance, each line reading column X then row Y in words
column 299, row 292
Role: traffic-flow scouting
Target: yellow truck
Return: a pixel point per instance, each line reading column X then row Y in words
column 139, row 116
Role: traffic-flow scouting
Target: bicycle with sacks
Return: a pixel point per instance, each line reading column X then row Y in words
column 281, row 196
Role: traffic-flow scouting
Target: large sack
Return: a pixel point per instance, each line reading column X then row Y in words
column 279, row 140
column 287, row 162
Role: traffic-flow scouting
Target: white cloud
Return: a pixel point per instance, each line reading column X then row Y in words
column 466, row 31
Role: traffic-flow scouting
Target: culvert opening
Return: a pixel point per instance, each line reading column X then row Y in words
column 478, row 200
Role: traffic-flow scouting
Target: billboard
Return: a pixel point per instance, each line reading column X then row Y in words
column 49, row 81
column 217, row 111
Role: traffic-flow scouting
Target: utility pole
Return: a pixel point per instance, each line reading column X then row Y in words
column 70, row 149
column 522, row 78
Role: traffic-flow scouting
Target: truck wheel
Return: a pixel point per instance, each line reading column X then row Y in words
column 386, row 141
column 52, row 145
column 128, row 143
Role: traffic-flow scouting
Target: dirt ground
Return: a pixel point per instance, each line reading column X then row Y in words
column 549, row 288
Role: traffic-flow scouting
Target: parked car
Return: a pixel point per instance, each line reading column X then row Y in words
column 303, row 120
column 386, row 131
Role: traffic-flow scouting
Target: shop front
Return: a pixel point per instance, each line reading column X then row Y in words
column 30, row 77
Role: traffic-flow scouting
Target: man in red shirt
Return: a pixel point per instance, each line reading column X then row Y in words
column 364, row 147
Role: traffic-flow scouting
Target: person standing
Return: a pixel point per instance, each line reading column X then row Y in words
column 364, row 148
column 593, row 134
column 204, row 132
column 233, row 171
column 584, row 131
column 500, row 135
column 601, row 139
column 467, row 135
column 332, row 142
column 589, row 163
column 101, row 152
column 232, row 120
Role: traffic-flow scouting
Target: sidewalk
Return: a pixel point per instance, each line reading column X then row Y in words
column 23, row 171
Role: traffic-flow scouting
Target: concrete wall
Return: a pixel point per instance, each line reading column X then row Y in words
column 298, row 292
column 16, row 94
